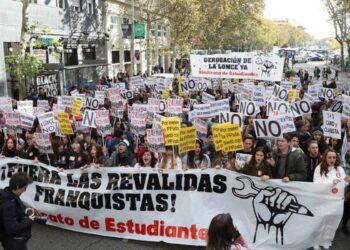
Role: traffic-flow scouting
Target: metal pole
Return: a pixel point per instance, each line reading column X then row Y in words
column 132, row 40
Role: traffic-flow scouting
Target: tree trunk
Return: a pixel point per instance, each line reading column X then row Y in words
column 348, row 47
column 24, row 26
column 174, row 58
column 341, row 55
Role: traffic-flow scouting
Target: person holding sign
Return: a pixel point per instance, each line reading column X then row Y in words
column 330, row 172
column 258, row 165
column 147, row 159
column 287, row 162
column 196, row 158
column 170, row 160
column 10, row 148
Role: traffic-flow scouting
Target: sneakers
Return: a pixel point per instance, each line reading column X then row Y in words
column 345, row 230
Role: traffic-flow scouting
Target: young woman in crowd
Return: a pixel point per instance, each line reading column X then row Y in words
column 258, row 165
column 170, row 160
column 335, row 144
column 95, row 156
column 10, row 148
column 78, row 158
column 29, row 151
column 147, row 159
column 317, row 135
column 223, row 235
column 60, row 158
column 226, row 160
column 196, row 158
column 329, row 172
column 121, row 157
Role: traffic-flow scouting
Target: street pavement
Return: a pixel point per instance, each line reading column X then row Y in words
column 49, row 237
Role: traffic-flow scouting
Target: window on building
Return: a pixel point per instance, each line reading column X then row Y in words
column 125, row 20
column 89, row 53
column 115, row 56
column 165, row 32
column 81, row 4
column 33, row 1
column 127, row 56
column 76, row 8
column 60, row 4
column 71, row 57
column 89, row 8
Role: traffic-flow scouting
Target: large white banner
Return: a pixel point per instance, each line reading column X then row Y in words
column 177, row 206
column 237, row 65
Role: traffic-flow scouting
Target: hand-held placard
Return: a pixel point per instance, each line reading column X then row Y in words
column 272, row 206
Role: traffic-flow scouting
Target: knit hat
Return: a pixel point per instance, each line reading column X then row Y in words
column 124, row 142
column 317, row 129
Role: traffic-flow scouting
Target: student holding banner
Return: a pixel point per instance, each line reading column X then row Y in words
column 287, row 162
column 29, row 151
column 171, row 159
column 147, row 159
column 330, row 172
column 225, row 160
column 258, row 165
column 95, row 155
column 10, row 148
column 79, row 157
column 196, row 158
column 60, row 158
column 121, row 157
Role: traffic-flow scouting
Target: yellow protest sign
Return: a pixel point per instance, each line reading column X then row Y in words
column 171, row 128
column 187, row 139
column 63, row 121
column 217, row 137
column 166, row 93
column 293, row 95
column 231, row 137
column 77, row 104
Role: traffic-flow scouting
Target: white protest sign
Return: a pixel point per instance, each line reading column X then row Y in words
column 137, row 82
column 44, row 143
column 346, row 111
column 327, row 93
column 231, row 117
column 27, row 121
column 207, row 98
column 89, row 118
column 100, row 96
column 267, row 128
column 91, row 102
column 248, row 108
column 118, row 85
column 127, row 94
column 201, row 111
column 242, row 159
column 12, row 120
column 66, row 101
column 337, row 106
column 301, row 108
column 6, row 104
column 313, row 91
column 219, row 106
column 259, row 95
column 155, row 140
column 25, row 107
column 237, row 65
column 277, row 108
column 286, row 123
column 332, row 124
column 102, row 117
column 202, row 126
column 280, row 92
column 175, row 106
column 153, row 105
column 43, row 104
column 47, row 123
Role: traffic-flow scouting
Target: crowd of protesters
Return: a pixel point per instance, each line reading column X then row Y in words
column 305, row 155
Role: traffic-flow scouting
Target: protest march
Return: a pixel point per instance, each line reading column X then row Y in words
column 155, row 158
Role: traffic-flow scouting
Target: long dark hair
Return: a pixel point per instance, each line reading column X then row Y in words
column 252, row 161
column 324, row 166
column 191, row 154
column 153, row 160
column 221, row 232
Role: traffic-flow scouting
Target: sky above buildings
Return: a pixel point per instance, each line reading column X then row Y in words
column 310, row 14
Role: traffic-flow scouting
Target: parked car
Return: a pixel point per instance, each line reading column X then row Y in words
column 300, row 59
column 316, row 58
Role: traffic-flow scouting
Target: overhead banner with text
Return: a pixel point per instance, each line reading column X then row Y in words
column 237, row 65
column 177, row 206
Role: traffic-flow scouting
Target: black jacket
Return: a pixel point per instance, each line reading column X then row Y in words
column 13, row 221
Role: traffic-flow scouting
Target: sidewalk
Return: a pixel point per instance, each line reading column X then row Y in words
column 347, row 74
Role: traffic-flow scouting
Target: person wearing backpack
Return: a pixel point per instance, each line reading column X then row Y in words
column 15, row 226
